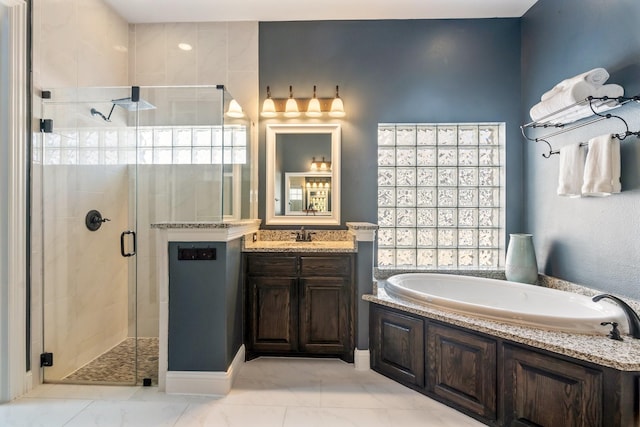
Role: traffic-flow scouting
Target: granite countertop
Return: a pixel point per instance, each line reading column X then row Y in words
column 599, row 349
column 205, row 224
column 329, row 241
column 293, row 246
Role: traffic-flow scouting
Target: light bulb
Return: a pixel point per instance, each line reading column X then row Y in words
column 235, row 110
column 323, row 165
column 337, row 107
column 313, row 109
column 268, row 106
column 291, row 108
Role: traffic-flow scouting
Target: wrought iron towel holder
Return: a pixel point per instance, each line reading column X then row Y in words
column 563, row 128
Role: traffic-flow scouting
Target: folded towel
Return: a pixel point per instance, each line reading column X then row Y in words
column 561, row 105
column 578, row 112
column 595, row 77
column 602, row 167
column 572, row 158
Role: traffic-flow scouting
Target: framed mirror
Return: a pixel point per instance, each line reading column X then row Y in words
column 303, row 174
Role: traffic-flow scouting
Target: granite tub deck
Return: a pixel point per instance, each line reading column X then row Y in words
column 329, row 241
column 598, row 349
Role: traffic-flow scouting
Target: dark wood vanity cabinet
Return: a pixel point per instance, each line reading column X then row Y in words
column 397, row 346
column 300, row 304
column 542, row 390
column 462, row 368
column 496, row 381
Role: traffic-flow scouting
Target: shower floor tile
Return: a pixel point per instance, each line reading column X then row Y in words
column 116, row 366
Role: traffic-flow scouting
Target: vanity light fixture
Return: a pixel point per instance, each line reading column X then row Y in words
column 268, row 106
column 313, row 107
column 322, row 166
column 235, row 110
column 291, row 108
column 337, row 106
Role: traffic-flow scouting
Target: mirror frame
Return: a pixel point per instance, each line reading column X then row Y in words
column 272, row 132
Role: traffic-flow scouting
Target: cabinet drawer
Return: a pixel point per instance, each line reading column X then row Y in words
column 264, row 265
column 325, row 266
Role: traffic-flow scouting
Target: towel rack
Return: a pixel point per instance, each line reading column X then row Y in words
column 593, row 103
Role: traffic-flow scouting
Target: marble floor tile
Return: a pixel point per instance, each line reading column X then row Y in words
column 29, row 412
column 271, row 390
column 336, row 417
column 268, row 392
column 220, row 415
column 128, row 413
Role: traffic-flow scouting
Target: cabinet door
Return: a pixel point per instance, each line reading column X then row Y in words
column 272, row 311
column 324, row 315
column 544, row 391
column 462, row 369
column 397, row 344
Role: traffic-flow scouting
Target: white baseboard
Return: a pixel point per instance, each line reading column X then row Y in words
column 362, row 360
column 205, row 383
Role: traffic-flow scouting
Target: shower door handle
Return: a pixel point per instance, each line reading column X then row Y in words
column 122, row 252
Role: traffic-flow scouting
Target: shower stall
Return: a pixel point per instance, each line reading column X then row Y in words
column 107, row 163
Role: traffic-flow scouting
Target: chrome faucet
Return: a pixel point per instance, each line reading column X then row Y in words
column 303, row 235
column 632, row 316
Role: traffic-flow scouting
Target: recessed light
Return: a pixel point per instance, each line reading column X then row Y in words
column 120, row 48
column 185, row 46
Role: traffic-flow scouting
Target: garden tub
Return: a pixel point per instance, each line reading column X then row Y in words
column 509, row 302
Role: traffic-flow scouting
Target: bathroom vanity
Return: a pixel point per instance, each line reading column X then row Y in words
column 300, row 297
column 299, row 304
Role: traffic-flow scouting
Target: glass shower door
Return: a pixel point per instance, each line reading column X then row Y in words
column 87, row 167
column 111, row 162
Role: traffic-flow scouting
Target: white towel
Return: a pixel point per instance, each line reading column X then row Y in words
column 602, row 167
column 562, row 101
column 571, row 172
column 595, row 77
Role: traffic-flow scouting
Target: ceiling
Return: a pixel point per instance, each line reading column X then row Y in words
column 155, row 11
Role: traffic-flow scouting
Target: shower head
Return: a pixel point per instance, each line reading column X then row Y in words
column 130, row 105
column 125, row 103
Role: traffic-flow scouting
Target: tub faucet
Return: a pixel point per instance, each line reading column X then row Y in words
column 632, row 316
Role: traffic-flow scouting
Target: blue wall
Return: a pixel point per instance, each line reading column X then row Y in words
column 398, row 71
column 205, row 302
column 592, row 241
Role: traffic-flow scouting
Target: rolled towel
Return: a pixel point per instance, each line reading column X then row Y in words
column 571, row 172
column 561, row 106
column 602, row 167
column 595, row 77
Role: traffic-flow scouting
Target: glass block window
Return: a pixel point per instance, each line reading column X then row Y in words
column 153, row 146
column 441, row 196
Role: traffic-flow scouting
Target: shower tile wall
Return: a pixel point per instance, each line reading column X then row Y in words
column 81, row 43
column 223, row 53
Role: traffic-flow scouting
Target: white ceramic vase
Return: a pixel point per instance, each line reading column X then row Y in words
column 521, row 265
